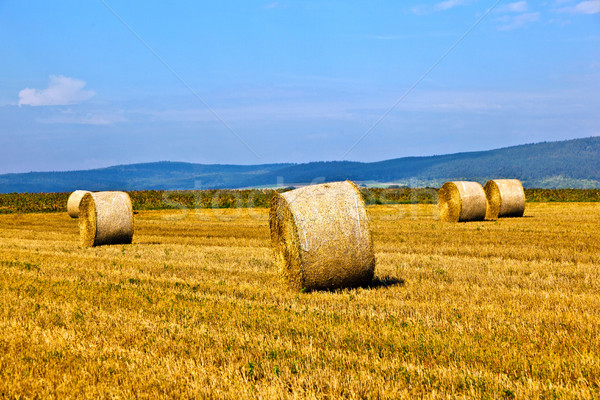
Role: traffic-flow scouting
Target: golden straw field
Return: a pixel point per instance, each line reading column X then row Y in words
column 194, row 308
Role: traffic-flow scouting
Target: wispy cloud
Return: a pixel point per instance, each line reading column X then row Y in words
column 419, row 35
column 391, row 37
column 61, row 91
column 584, row 7
column 274, row 4
column 70, row 117
column 516, row 15
column 517, row 21
column 437, row 7
column 518, row 7
column 448, row 4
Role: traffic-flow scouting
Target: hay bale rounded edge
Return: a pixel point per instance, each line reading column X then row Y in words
column 73, row 202
column 461, row 201
column 505, row 198
column 321, row 237
column 105, row 218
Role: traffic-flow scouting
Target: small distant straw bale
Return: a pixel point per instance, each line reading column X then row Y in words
column 461, row 201
column 505, row 198
column 105, row 218
column 321, row 237
column 73, row 203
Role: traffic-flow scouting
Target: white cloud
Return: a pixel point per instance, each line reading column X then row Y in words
column 84, row 119
column 516, row 15
column 585, row 7
column 519, row 7
column 441, row 6
column 559, row 21
column 407, row 36
column 61, row 91
column 274, row 4
column 518, row 21
column 448, row 4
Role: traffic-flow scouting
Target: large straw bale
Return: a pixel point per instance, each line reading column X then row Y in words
column 321, row 237
column 461, row 201
column 73, row 203
column 105, row 218
column 505, row 198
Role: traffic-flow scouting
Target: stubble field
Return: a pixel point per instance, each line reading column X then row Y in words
column 195, row 308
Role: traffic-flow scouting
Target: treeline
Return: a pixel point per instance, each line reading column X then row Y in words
column 164, row 200
column 562, row 195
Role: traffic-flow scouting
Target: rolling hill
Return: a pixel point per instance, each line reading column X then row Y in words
column 564, row 164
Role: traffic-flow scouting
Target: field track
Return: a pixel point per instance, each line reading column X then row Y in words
column 194, row 308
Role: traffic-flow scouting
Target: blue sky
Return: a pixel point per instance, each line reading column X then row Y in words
column 87, row 84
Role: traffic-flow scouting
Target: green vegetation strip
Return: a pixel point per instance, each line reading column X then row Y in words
column 188, row 199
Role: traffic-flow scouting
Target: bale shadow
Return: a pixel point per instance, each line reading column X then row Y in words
column 376, row 283
column 504, row 218
column 384, row 281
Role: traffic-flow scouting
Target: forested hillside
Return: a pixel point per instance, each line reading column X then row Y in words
column 566, row 164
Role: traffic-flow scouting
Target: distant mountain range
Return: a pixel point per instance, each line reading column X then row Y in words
column 565, row 164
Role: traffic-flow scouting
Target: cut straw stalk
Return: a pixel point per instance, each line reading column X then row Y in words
column 461, row 201
column 505, row 198
column 105, row 218
column 321, row 237
column 73, row 203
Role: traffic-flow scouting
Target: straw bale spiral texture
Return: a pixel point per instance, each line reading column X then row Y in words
column 321, row 237
column 105, row 218
column 73, row 203
column 461, row 201
column 505, row 198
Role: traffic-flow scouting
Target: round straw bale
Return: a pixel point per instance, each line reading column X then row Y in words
column 105, row 218
column 461, row 201
column 505, row 198
column 321, row 237
column 73, row 203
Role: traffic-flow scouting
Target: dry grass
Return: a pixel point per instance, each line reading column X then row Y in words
column 195, row 308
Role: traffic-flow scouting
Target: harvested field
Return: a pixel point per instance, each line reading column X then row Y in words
column 195, row 308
